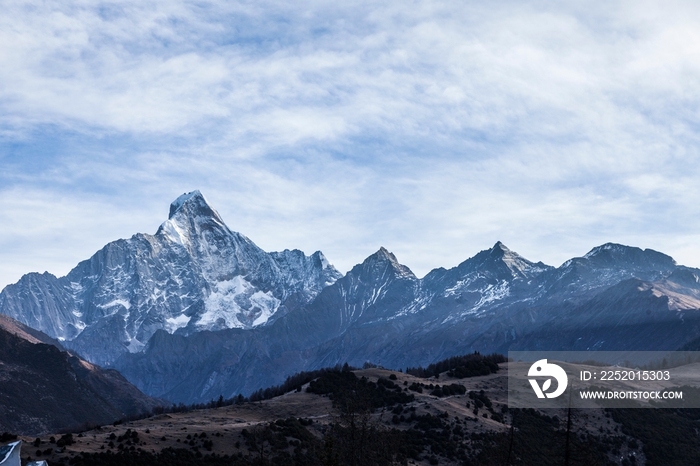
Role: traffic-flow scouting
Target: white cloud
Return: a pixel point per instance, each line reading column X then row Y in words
column 433, row 128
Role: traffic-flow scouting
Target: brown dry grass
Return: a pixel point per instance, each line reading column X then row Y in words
column 224, row 425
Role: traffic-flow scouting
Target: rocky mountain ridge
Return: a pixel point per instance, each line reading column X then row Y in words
column 197, row 311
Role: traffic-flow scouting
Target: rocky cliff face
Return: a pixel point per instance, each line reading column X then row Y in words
column 194, row 274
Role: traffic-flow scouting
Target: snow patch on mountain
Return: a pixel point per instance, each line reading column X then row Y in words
column 236, row 303
column 489, row 294
column 605, row 247
column 174, row 323
column 115, row 304
column 210, row 382
column 461, row 285
column 519, row 266
column 174, row 233
column 135, row 346
column 420, row 303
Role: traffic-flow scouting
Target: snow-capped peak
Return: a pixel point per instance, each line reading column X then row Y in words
column 190, row 214
column 518, row 266
column 194, row 274
column 500, row 250
column 192, row 203
column 501, row 246
column 177, row 203
column 612, row 247
column 384, row 256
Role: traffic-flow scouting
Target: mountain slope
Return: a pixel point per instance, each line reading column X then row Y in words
column 44, row 389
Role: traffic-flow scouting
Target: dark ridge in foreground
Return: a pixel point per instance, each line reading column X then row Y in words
column 44, row 389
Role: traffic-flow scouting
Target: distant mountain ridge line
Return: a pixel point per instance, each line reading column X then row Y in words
column 197, row 310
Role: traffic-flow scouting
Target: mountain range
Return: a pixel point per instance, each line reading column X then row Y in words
column 197, row 310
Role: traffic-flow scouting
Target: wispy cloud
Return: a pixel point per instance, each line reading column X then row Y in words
column 433, row 128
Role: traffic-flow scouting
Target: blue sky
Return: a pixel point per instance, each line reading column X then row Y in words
column 433, row 128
